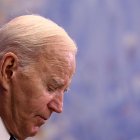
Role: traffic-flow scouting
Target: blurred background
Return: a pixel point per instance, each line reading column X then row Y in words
column 104, row 99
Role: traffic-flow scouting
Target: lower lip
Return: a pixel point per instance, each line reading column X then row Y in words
column 40, row 120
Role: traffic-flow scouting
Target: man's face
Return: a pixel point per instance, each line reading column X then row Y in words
column 37, row 93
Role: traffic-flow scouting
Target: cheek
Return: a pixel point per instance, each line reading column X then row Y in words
column 39, row 104
column 31, row 96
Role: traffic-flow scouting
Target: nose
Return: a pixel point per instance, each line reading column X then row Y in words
column 56, row 104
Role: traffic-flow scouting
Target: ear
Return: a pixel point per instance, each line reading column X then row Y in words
column 8, row 67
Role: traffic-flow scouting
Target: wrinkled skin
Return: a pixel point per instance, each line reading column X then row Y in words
column 29, row 98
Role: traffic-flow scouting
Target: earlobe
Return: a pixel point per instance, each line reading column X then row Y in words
column 8, row 66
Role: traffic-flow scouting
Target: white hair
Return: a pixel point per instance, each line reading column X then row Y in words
column 30, row 36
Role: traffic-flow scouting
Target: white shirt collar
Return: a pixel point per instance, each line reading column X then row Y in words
column 4, row 135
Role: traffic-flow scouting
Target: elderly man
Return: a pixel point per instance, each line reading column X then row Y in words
column 37, row 62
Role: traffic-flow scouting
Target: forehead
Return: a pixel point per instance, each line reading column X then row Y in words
column 58, row 64
column 55, row 70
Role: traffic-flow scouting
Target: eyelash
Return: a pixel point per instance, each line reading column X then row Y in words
column 66, row 90
column 52, row 89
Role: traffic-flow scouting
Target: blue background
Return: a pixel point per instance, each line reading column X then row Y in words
column 104, row 99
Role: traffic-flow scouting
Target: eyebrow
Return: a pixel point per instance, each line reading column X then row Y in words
column 57, row 81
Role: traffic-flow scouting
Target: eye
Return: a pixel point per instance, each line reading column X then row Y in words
column 51, row 88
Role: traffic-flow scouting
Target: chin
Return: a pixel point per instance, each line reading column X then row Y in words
column 31, row 131
column 34, row 130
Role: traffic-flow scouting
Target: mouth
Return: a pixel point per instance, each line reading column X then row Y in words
column 44, row 118
column 40, row 120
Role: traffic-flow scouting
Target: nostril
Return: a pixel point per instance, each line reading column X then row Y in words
column 56, row 107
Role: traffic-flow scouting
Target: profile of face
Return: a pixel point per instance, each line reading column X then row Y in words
column 34, row 93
